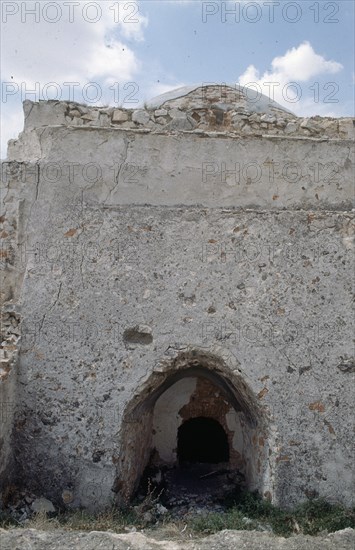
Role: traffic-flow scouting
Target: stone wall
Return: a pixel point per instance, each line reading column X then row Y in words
column 137, row 253
column 10, row 318
column 179, row 116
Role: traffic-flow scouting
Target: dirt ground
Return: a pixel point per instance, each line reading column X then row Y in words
column 31, row 539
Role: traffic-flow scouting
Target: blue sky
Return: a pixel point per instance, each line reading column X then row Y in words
column 303, row 49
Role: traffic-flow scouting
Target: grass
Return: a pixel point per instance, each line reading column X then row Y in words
column 318, row 515
column 109, row 520
column 214, row 522
column 310, row 518
column 79, row 520
column 246, row 512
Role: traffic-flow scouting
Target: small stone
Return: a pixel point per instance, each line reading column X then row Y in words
column 104, row 119
column 119, row 116
column 291, row 128
column 67, row 496
column 161, row 121
column 181, row 123
column 147, row 517
column 82, row 109
column 347, row 365
column 330, row 127
column 222, row 107
column 150, row 124
column 255, row 117
column 247, row 521
column 177, row 114
column 160, row 112
column 247, row 129
column 42, row 505
column 281, row 123
column 141, row 116
column 91, row 116
column 238, row 124
column 271, row 119
column 310, row 125
column 346, row 128
column 241, row 110
column 75, row 113
column 161, row 509
column 10, row 308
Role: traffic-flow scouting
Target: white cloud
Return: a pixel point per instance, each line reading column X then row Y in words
column 71, row 51
column 298, row 65
column 303, row 63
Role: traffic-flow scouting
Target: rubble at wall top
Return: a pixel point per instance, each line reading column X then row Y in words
column 205, row 109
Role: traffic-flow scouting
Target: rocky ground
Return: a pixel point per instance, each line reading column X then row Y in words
column 181, row 492
column 196, row 488
column 30, row 539
column 167, row 504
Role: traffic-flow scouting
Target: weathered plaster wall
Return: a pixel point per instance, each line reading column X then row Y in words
column 10, row 317
column 128, row 167
column 167, row 419
column 257, row 273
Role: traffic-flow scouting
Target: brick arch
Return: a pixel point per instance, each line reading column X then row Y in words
column 211, row 371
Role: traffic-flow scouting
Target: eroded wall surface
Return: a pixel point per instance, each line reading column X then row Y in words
column 134, row 244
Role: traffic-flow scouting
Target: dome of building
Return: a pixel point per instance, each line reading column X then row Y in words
column 225, row 97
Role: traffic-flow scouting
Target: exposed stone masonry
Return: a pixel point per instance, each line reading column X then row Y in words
column 198, row 112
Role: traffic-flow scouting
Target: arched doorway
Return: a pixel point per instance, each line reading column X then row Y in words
column 196, row 389
column 202, row 439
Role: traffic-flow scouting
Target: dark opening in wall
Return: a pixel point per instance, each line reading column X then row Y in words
column 202, row 440
column 192, row 413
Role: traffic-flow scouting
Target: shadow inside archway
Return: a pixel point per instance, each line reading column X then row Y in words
column 197, row 425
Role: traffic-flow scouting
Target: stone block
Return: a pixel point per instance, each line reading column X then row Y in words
column 140, row 117
column 119, row 116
